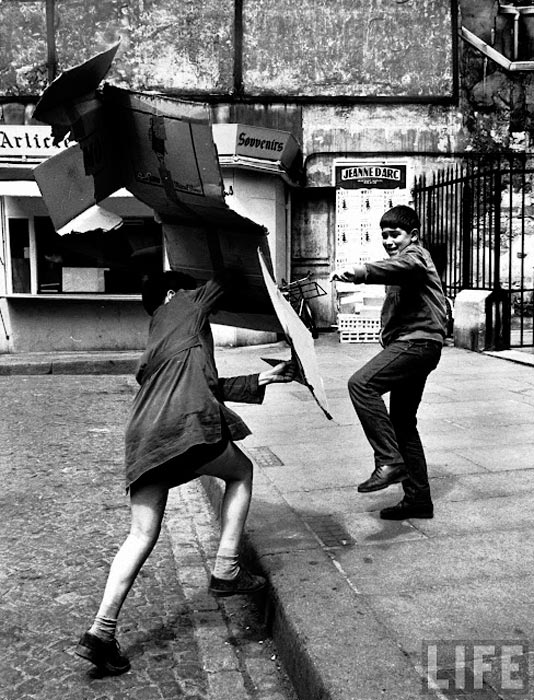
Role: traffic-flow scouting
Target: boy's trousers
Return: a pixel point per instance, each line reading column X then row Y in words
column 402, row 369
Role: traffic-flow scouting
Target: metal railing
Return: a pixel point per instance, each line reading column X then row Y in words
column 477, row 220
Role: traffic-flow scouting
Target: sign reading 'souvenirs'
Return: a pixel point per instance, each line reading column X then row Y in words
column 260, row 143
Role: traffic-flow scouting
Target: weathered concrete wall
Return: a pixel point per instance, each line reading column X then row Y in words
column 5, row 327
column 42, row 325
column 342, row 50
column 165, row 44
column 348, row 47
column 181, row 45
column 67, row 325
column 333, row 131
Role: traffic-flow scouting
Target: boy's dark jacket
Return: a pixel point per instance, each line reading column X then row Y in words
column 414, row 307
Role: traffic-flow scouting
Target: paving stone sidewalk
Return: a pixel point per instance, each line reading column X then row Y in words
column 64, row 512
column 353, row 599
column 363, row 595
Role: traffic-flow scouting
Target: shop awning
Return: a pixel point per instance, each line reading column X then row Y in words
column 19, row 188
column 29, row 188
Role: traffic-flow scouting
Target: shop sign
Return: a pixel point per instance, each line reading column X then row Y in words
column 260, row 143
column 365, row 175
column 19, row 142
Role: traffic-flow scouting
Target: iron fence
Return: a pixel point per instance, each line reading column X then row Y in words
column 477, row 220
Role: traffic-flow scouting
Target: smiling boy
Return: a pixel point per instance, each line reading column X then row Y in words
column 413, row 323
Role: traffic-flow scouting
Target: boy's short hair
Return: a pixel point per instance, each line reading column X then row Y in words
column 401, row 216
column 156, row 287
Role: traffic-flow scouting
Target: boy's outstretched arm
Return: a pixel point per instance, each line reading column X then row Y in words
column 356, row 274
column 390, row 271
column 250, row 388
column 282, row 372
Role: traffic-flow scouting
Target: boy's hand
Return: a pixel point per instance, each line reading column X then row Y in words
column 355, row 274
column 341, row 275
column 282, row 372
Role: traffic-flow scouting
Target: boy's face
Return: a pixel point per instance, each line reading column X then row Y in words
column 395, row 240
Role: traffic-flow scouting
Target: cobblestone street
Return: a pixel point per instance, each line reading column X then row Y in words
column 64, row 513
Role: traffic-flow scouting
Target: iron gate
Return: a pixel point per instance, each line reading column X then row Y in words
column 477, row 220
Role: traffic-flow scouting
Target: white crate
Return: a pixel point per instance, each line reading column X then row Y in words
column 352, row 328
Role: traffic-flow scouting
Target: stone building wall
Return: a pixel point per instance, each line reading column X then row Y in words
column 348, row 79
column 353, row 50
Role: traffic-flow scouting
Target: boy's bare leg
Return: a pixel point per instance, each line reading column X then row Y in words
column 147, row 508
column 98, row 644
column 235, row 469
column 229, row 577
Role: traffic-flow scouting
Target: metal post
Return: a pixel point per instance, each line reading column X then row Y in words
column 51, row 60
column 496, row 187
column 496, row 298
column 238, row 47
column 455, row 259
column 517, row 17
column 501, row 299
column 522, row 252
column 467, row 206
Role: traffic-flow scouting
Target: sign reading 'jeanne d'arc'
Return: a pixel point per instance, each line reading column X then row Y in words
column 363, row 175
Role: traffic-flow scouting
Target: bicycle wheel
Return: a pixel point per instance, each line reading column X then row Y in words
column 308, row 319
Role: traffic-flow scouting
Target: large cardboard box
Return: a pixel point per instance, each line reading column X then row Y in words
column 162, row 151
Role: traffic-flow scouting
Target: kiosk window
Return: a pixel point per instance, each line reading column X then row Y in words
column 19, row 248
column 111, row 262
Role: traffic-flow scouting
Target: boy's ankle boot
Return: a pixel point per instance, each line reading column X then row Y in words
column 384, row 476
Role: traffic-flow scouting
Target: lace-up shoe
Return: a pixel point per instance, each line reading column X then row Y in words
column 244, row 582
column 106, row 656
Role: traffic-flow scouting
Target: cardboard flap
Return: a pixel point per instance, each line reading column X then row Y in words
column 71, row 86
column 169, row 159
column 67, row 189
column 299, row 338
column 202, row 252
column 94, row 218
